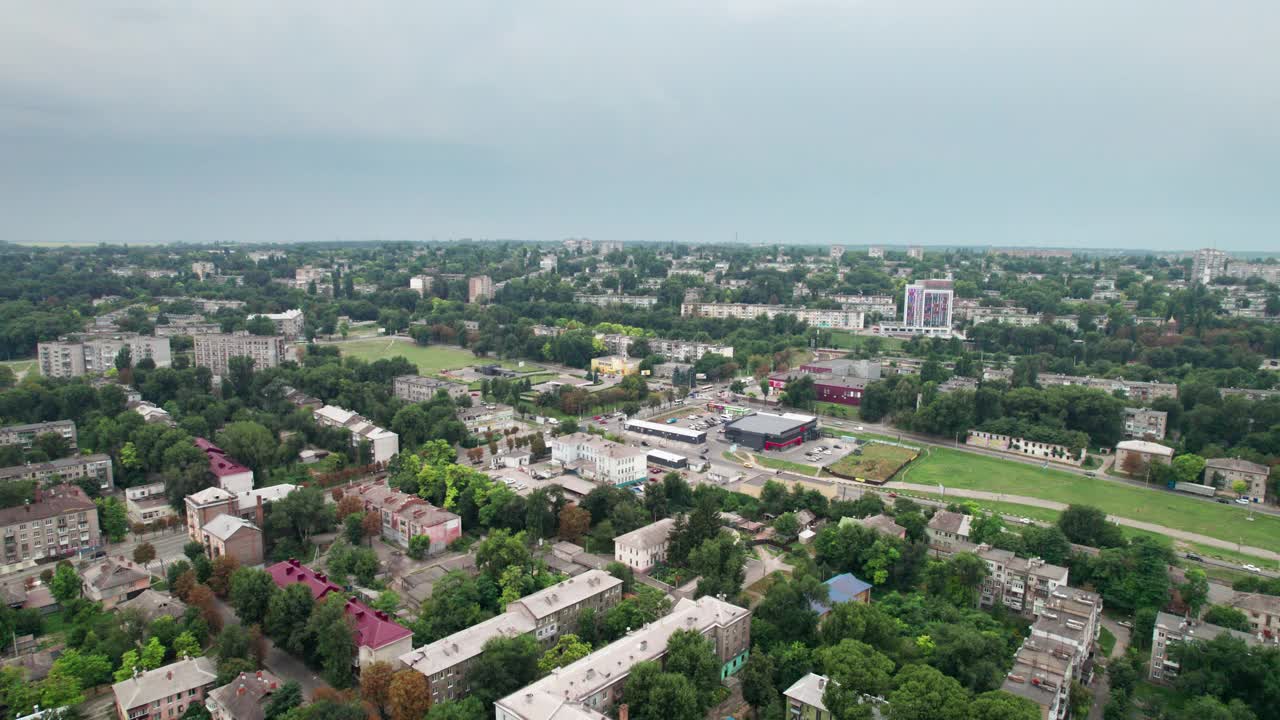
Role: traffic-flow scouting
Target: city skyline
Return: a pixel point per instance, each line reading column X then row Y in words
column 932, row 123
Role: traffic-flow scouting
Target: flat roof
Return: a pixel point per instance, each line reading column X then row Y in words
column 664, row 455
column 770, row 424
column 663, row 427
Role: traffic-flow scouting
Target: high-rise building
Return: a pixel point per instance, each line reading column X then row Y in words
column 93, row 354
column 216, row 351
column 479, row 288
column 288, row 323
column 927, row 306
column 915, row 253
column 1208, row 264
column 421, row 284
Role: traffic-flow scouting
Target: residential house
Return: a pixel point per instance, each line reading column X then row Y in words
column 166, row 692
column 885, row 525
column 416, row 388
column 266, row 351
column 1263, row 612
column 1020, row 584
column 233, row 536
column 948, row 532
column 383, row 444
column 605, row 461
column 204, row 506
column 1145, row 423
column 1134, row 454
column 153, row 604
column 288, row 323
column 244, row 698
column 643, row 548
column 555, row 609
column 148, row 503
column 230, row 474
column 1042, row 674
column 113, row 580
column 842, row 588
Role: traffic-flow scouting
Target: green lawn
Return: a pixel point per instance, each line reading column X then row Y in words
column 430, row 359
column 1106, row 641
column 827, row 409
column 18, row 366
column 955, row 469
column 848, row 341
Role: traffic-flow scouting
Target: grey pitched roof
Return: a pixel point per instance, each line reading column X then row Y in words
column 162, row 682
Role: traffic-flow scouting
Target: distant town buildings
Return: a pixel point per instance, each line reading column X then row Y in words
column 421, row 284
column 639, row 301
column 684, row 351
column 1208, row 264
column 288, row 323
column 26, row 434
column 479, row 289
column 827, row 319
column 416, row 388
column 96, row 354
column 65, row 470
column 1145, row 423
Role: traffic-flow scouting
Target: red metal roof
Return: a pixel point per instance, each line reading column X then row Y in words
column 373, row 628
column 220, row 464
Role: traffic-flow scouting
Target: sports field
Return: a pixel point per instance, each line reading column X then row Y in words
column 956, row 469
column 430, row 359
column 877, row 463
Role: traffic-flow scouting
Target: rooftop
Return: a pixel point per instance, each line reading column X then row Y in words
column 647, row 536
column 770, row 424
column 220, row 464
column 566, row 594
column 153, row 685
column 466, row 644
column 1144, row 446
column 951, row 522
column 113, row 572
column 56, row 501
column 809, row 690
column 841, row 588
column 1237, row 465
column 224, row 526
column 245, row 698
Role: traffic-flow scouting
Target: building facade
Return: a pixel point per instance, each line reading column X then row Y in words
column 383, row 444
column 604, row 461
column 215, row 351
column 643, row 548
column 927, row 307
column 61, row 521
column 288, row 323
column 96, row 354
column 406, row 516
column 1145, row 423
column 479, row 289
column 1226, row 472
column 65, row 470
column 166, row 692
column 25, row 435
column 416, row 388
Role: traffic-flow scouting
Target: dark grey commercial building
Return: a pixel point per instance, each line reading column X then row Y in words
column 767, row 431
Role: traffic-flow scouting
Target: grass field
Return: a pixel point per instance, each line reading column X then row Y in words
column 18, row 366
column 848, row 341
column 827, row 409
column 877, row 462
column 429, row 359
column 955, row 469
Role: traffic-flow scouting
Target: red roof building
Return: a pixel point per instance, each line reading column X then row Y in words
column 378, row 636
column 232, row 476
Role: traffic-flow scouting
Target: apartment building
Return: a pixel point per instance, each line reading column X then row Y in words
column 1208, row 264
column 233, row 536
column 1136, row 390
column 1170, row 630
column 479, row 289
column 96, row 354
column 421, row 284
column 288, row 323
column 383, row 444
column 204, row 506
column 1070, row 618
column 65, row 470
column 588, row 688
column 244, row 698
column 406, row 516
column 378, row 637
column 1145, row 423
column 1042, row 674
column 148, row 503
column 1140, row 454
column 25, row 435
column 685, row 351
column 215, row 351
column 60, row 521
column 638, row 301
column 883, row 304
column 166, row 692
column 831, row 319
column 308, row 274
column 643, row 548
column 555, row 610
column 416, row 388
column 1263, row 612
column 1230, row 470
column 602, row 460
column 484, row 419
column 1023, row 585
column 927, row 306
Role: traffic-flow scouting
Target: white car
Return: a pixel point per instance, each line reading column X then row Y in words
column 1252, row 568
column 1242, row 501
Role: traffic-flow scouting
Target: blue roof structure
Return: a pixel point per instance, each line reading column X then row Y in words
column 841, row 588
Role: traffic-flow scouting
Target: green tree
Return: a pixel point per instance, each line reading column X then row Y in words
column 922, row 693
column 186, row 645
column 251, row 443
column 419, row 546
column 504, row 666
column 757, row 682
column 113, row 519
column 693, row 657
column 129, row 663
column 250, row 594
column 1000, row 705
column 1227, row 617
column 857, row 669
column 66, row 584
column 287, row 615
column 567, row 649
column 719, row 562
column 334, row 640
column 1195, row 591
column 90, row 669
column 657, row 695
column 287, row 697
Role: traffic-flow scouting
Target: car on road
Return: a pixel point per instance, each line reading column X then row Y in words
column 1224, row 501
column 1193, row 556
column 1125, row 624
column 1251, row 568
column 1242, row 501
column 748, row 465
column 1091, row 473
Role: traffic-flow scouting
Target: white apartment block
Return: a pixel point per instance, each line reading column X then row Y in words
column 288, row 323
column 421, row 284
column 416, row 388
column 673, row 350
column 868, row 304
column 383, row 443
column 833, row 319
column 96, row 354
column 645, row 547
column 1209, row 264
column 215, row 351
column 640, row 301
column 603, row 460
column 479, row 289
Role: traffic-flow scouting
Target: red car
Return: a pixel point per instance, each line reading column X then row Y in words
column 596, row 418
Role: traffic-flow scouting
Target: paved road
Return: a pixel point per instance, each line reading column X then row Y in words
column 1101, row 685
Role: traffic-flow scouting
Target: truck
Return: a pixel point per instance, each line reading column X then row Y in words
column 1195, row 489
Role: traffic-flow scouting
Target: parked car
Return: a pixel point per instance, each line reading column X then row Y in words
column 1091, row 474
column 1252, row 568
column 1224, row 501
column 1195, row 557
column 1242, row 501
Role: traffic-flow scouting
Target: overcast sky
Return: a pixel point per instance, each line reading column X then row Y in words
column 1088, row 123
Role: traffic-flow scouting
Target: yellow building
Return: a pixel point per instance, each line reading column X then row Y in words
column 615, row 365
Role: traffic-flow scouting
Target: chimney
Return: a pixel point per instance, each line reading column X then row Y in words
column 240, row 690
column 168, row 675
column 257, row 516
column 622, row 711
